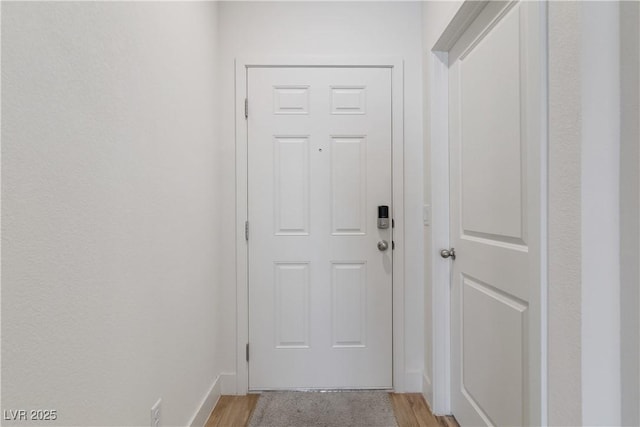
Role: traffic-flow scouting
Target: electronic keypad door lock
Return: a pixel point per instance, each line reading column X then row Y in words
column 383, row 216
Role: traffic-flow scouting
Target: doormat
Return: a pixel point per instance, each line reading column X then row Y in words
column 326, row 409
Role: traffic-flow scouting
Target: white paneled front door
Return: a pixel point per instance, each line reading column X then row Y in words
column 319, row 165
column 495, row 93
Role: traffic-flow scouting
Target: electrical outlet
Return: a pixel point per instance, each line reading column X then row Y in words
column 156, row 414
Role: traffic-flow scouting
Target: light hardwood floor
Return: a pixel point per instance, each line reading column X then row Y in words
column 411, row 410
column 233, row 411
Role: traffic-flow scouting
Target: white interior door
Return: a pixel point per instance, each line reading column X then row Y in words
column 319, row 165
column 495, row 92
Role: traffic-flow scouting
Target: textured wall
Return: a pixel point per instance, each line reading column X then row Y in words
column 630, row 211
column 332, row 28
column 600, row 200
column 110, row 210
column 564, row 215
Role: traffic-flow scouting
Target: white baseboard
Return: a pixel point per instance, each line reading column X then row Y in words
column 427, row 390
column 413, row 382
column 208, row 403
column 229, row 386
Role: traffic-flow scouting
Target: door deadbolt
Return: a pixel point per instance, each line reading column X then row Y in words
column 448, row 253
column 383, row 216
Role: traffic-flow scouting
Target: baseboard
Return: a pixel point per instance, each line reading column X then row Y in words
column 229, row 386
column 413, row 382
column 208, row 403
column 427, row 390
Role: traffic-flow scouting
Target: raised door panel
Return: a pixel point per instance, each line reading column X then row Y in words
column 291, row 99
column 493, row 363
column 291, row 305
column 348, row 185
column 349, row 304
column 493, row 160
column 291, row 168
column 348, row 99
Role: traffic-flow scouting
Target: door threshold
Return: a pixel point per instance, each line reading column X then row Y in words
column 322, row 390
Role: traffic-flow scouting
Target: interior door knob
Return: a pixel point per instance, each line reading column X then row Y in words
column 383, row 245
column 446, row 253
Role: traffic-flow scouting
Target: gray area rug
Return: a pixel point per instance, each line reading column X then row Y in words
column 326, row 409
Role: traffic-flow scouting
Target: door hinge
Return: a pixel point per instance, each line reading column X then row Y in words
column 393, row 223
column 246, row 231
column 393, row 245
column 247, row 352
column 246, row 108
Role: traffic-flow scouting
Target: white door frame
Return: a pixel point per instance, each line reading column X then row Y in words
column 441, row 269
column 242, row 285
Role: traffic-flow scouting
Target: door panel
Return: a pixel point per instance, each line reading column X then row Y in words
column 291, row 305
column 492, row 325
column 291, row 174
column 489, row 79
column 494, row 92
column 348, row 185
column 349, row 298
column 319, row 162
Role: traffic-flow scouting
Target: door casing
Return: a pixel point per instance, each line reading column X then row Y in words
column 242, row 262
column 441, row 269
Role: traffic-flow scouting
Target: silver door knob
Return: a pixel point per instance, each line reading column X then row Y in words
column 446, row 253
column 383, row 245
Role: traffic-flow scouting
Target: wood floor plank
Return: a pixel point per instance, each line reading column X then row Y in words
column 233, row 411
column 402, row 410
column 448, row 421
column 421, row 411
column 412, row 410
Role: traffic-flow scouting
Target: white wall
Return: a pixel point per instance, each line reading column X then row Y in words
column 330, row 28
column 564, row 288
column 600, row 161
column 110, row 210
column 630, row 211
